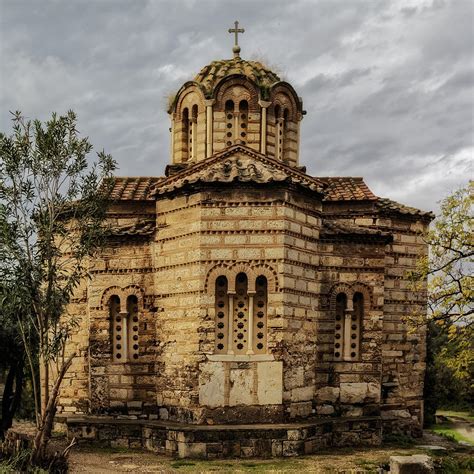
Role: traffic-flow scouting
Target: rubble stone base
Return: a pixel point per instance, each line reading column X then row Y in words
column 226, row 441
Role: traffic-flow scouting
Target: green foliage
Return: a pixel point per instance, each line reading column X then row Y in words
column 448, row 269
column 52, row 209
column 399, row 440
column 443, row 389
column 454, row 465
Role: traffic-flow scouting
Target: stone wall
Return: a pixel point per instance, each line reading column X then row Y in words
column 350, row 387
column 270, row 232
column 274, row 231
column 95, row 382
column 403, row 349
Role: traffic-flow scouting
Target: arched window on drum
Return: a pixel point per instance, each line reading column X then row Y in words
column 285, row 145
column 229, row 123
column 193, row 133
column 278, row 133
column 243, row 120
column 186, row 134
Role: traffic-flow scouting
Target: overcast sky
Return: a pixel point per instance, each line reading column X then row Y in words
column 388, row 86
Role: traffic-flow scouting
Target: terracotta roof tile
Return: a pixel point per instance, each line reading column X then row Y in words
column 143, row 228
column 211, row 75
column 338, row 229
column 237, row 163
column 387, row 205
column 347, row 189
column 134, row 188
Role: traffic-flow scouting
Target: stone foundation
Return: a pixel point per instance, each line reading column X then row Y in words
column 223, row 441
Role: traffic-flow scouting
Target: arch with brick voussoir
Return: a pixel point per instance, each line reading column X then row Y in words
column 123, row 293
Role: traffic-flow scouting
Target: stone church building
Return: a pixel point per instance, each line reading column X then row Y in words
column 242, row 306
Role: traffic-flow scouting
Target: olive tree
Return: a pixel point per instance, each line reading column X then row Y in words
column 53, row 204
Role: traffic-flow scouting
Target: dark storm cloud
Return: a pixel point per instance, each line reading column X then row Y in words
column 387, row 85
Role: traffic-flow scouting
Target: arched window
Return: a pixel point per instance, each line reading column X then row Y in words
column 285, row 138
column 341, row 305
column 193, row 133
column 229, row 119
column 241, row 317
column 186, row 134
column 222, row 315
column 278, row 133
column 243, row 119
column 125, row 325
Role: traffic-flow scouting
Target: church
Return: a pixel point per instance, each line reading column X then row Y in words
column 241, row 306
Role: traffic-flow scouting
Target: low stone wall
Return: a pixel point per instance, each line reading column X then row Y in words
column 221, row 441
column 16, row 441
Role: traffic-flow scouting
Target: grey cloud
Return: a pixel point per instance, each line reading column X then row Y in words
column 387, row 89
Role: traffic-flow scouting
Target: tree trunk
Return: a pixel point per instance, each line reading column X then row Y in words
column 47, row 418
column 11, row 395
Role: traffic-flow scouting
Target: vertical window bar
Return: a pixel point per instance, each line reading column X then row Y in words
column 240, row 315
column 133, row 327
column 260, row 316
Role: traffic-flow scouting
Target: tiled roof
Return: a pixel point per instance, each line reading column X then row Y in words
column 336, row 188
column 133, row 188
column 211, row 74
column 338, row 229
column 347, row 189
column 143, row 228
column 237, row 164
column 387, row 205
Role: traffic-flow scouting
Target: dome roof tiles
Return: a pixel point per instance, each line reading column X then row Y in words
column 212, row 74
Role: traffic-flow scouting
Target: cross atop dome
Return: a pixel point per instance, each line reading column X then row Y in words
column 236, row 30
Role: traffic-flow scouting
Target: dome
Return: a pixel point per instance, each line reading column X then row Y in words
column 235, row 102
column 212, row 74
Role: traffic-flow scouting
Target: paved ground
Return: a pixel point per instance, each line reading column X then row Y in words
column 106, row 461
column 99, row 460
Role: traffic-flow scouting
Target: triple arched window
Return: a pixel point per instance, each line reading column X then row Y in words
column 241, row 315
column 348, row 326
column 124, row 328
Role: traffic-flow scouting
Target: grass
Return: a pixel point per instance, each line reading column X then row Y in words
column 446, row 430
column 455, row 465
column 399, row 440
column 368, row 466
column 457, row 414
column 260, row 465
